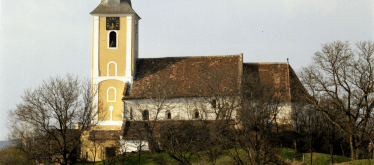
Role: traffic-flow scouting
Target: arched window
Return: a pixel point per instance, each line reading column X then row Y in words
column 214, row 102
column 196, row 114
column 111, row 94
column 168, row 115
column 112, row 39
column 145, row 115
column 112, row 69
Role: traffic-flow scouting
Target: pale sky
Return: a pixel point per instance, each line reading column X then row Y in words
column 43, row 38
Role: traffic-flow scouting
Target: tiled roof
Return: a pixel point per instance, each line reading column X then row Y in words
column 210, row 76
column 273, row 76
column 298, row 91
column 104, row 135
column 114, row 7
column 187, row 76
column 279, row 76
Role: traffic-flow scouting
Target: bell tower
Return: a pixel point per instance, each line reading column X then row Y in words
column 114, row 53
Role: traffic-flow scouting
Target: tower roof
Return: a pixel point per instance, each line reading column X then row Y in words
column 114, row 7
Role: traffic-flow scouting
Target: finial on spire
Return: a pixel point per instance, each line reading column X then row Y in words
column 116, row 1
column 287, row 61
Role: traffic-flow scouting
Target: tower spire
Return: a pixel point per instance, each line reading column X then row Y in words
column 114, row 7
column 116, row 1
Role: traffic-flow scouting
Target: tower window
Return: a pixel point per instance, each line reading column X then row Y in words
column 111, row 94
column 145, row 115
column 112, row 69
column 112, row 39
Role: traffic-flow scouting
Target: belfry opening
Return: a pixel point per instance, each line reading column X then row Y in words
column 112, row 39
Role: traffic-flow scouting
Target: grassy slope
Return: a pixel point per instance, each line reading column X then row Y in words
column 164, row 158
column 320, row 158
column 358, row 162
column 11, row 155
column 285, row 153
column 145, row 159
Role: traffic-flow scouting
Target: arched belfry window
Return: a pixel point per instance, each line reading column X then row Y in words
column 111, row 94
column 145, row 115
column 112, row 39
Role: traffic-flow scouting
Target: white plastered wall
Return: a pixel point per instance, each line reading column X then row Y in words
column 133, row 145
column 183, row 109
column 284, row 113
column 180, row 109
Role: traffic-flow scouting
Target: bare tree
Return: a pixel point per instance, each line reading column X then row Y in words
column 182, row 139
column 309, row 122
column 256, row 120
column 245, row 119
column 219, row 102
column 135, row 136
column 51, row 112
column 345, row 78
column 94, row 144
column 149, row 107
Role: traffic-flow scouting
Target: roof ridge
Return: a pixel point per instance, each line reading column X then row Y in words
column 114, row 7
column 265, row 63
column 193, row 56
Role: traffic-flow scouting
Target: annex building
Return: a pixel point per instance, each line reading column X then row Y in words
column 133, row 89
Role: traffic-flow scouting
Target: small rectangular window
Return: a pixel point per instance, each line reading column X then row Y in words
column 145, row 115
column 131, row 117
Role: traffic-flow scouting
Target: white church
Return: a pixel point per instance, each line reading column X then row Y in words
column 152, row 90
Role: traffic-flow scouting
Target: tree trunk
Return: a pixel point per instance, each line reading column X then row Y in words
column 310, row 148
column 352, row 147
column 331, row 154
column 139, row 156
column 357, row 153
column 256, row 157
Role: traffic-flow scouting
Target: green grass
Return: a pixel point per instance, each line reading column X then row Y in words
column 286, row 153
column 324, row 159
column 164, row 158
column 320, row 158
column 146, row 158
column 360, row 162
column 290, row 154
column 11, row 155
